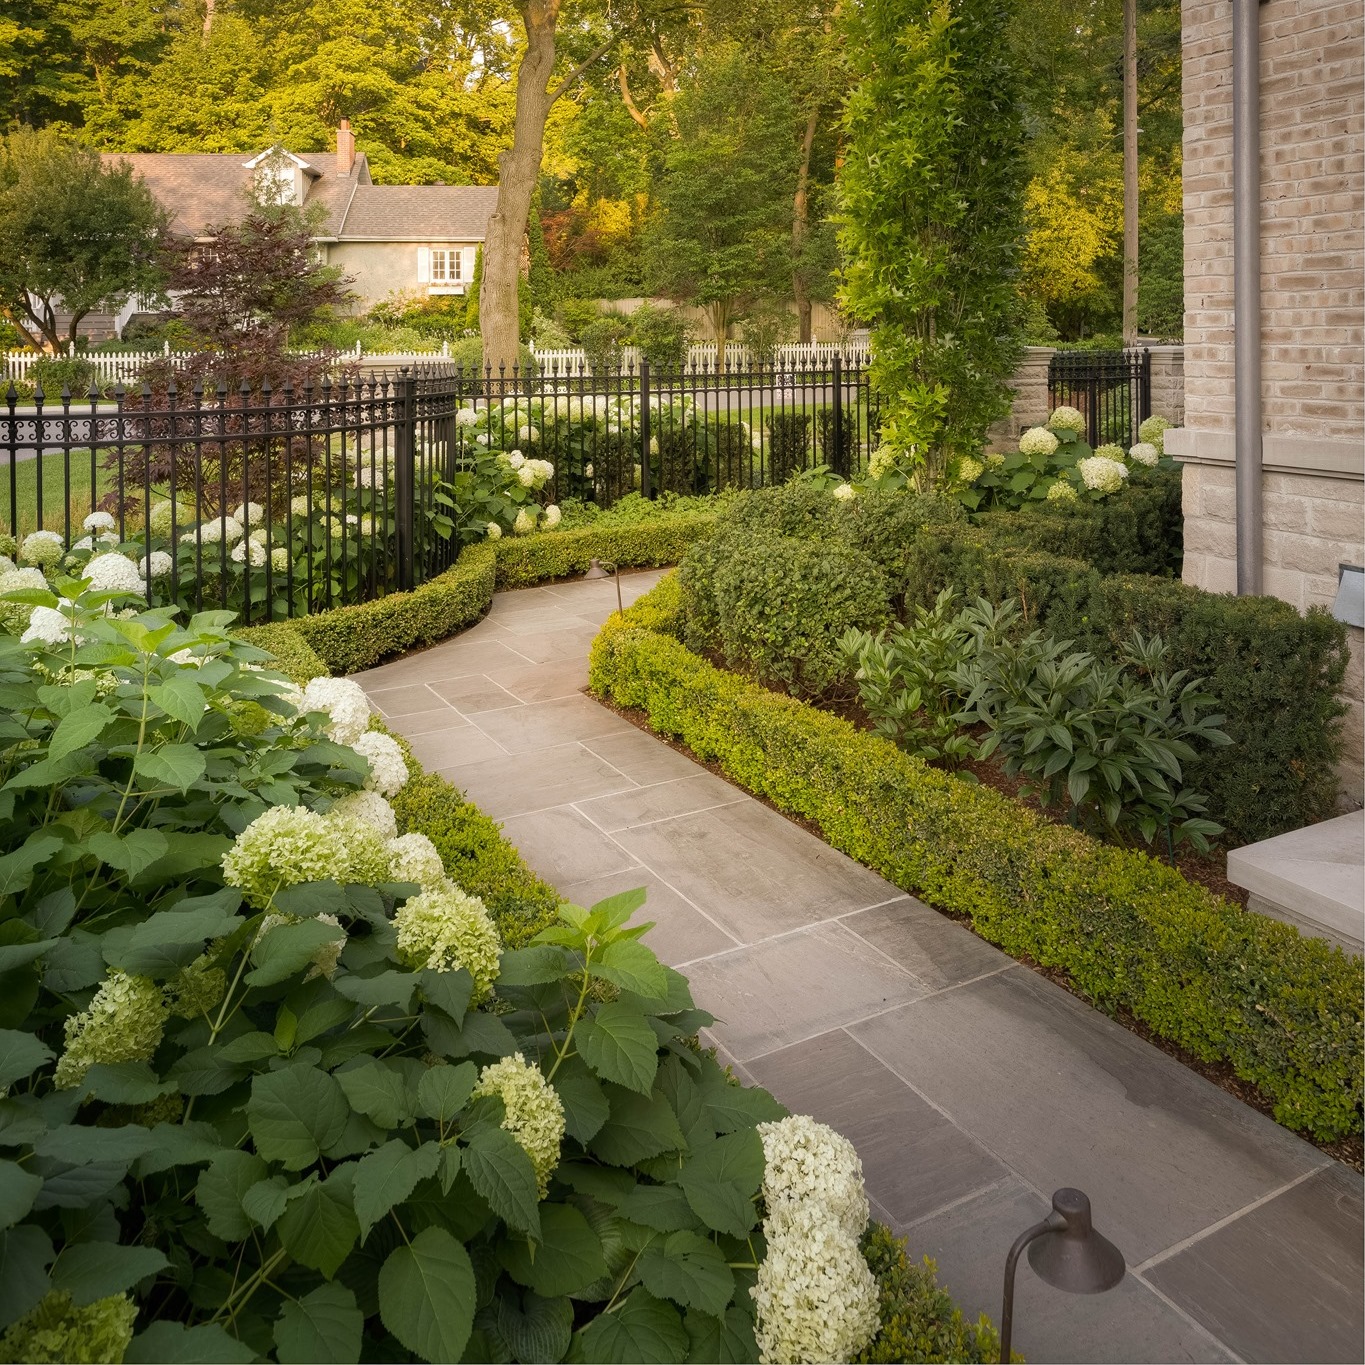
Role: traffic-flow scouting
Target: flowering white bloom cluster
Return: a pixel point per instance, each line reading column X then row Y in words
column 525, row 522
column 370, row 810
column 553, row 516
column 279, row 559
column 534, row 1112
column 1066, row 419
column 493, row 531
column 443, row 929
column 6, row 564
column 1061, row 491
column 466, row 417
column 816, row 1299
column 414, row 858
column 1037, row 441
column 515, row 459
column 845, row 492
column 48, row 626
column 388, row 770
column 252, row 550
column 883, row 461
column 42, row 548
column 123, row 1023
column 98, row 521
column 1110, row 451
column 1101, row 475
column 212, row 532
column 528, row 434
column 346, row 705
column 994, row 460
column 285, row 846
column 1144, row 453
column 248, row 513
column 158, row 564
column 113, row 573
column 301, row 506
column 1153, row 432
column 969, row 470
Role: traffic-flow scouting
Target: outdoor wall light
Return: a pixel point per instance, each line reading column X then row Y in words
column 596, row 569
column 1066, row 1252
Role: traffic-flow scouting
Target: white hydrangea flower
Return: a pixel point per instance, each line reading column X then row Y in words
column 516, row 459
column 388, row 770
column 544, row 471
column 346, row 705
column 328, row 955
column 845, row 492
column 414, row 858
column 1061, row 491
column 211, row 532
column 1144, row 453
column 534, row 1113
column 526, row 476
column 481, row 439
column 123, row 1023
column 443, row 929
column 1066, row 419
column 84, row 543
column 525, row 522
column 248, row 513
column 588, row 471
column 301, row 506
column 113, row 573
column 493, row 531
column 369, row 477
column 47, row 626
column 1037, row 441
column 815, row 1299
column 251, row 549
column 1110, row 451
column 1101, row 475
column 969, row 470
column 883, row 461
column 260, row 536
column 98, row 521
column 158, row 564
column 6, row 564
column 42, row 548
column 20, row 580
column 1153, row 432
column 528, row 434
column 994, row 460
column 553, row 516
column 279, row 559
column 807, row 1161
column 466, row 417
column 369, row 808
column 285, row 846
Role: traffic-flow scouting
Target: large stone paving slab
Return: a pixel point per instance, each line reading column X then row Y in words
column 969, row 1242
column 513, row 785
column 565, row 847
column 539, row 725
column 928, row 945
column 662, row 801
column 1283, row 1282
column 1067, row 1097
column 773, row 994
column 754, row 872
column 916, row 1159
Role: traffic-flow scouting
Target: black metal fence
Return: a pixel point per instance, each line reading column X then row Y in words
column 1112, row 390
column 278, row 503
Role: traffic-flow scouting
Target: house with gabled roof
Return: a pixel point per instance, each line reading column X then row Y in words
column 416, row 240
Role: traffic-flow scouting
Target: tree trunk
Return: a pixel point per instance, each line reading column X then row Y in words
column 519, row 169
column 208, row 17
column 719, row 315
column 1130, row 174
column 801, row 226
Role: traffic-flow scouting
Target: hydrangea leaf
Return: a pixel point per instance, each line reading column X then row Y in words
column 172, row 1343
column 386, row 1177
column 585, row 1105
column 620, row 1046
column 642, row 1329
column 179, row 1144
column 567, row 1256
column 536, row 1328
column 728, row 1340
column 181, row 698
column 640, row 1126
column 294, row 1113
column 534, row 966
column 94, row 1270
column 71, row 1143
column 661, row 1207
column 169, row 940
column 80, row 1186
column 733, row 1107
column 690, row 1270
column 722, row 1179
column 21, row 1054
column 426, row 1295
column 124, row 1083
column 171, row 765
column 387, row 988
column 288, row 948
column 502, row 1173
column 18, row 1189
column 378, row 1091
column 25, row 1254
column 323, row 1325
column 16, row 869
column 450, row 992
column 615, row 910
column 221, row 1189
column 265, row 1202
column 78, row 729
column 633, row 967
column 444, row 1090
column 319, row 1228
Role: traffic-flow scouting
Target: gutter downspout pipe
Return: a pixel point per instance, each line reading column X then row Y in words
column 1246, row 258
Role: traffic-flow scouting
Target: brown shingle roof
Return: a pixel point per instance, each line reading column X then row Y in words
column 206, row 189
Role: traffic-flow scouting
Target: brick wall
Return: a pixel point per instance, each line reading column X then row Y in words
column 1312, row 308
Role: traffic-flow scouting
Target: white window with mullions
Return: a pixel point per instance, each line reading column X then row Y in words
column 443, row 269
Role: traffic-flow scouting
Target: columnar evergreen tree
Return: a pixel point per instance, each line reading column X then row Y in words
column 931, row 218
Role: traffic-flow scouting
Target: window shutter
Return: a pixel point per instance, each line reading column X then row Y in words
column 467, row 265
column 423, row 265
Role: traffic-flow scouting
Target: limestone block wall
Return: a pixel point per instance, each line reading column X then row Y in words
column 1168, row 383
column 1030, row 407
column 1312, row 129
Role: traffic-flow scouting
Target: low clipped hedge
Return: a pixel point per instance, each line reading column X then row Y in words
column 1131, row 933
column 525, row 560
column 293, row 654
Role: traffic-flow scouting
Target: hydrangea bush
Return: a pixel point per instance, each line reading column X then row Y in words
column 273, row 1088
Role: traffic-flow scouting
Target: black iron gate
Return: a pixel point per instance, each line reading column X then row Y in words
column 1112, row 390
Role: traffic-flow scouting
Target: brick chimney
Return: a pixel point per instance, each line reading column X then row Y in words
column 345, row 148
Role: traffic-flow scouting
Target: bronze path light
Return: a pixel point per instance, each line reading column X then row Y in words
column 596, row 569
column 1066, row 1252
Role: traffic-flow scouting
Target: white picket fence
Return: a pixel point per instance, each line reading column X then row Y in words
column 114, row 367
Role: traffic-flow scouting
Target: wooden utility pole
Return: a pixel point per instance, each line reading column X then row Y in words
column 1130, row 174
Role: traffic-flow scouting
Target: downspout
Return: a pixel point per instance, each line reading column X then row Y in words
column 1246, row 288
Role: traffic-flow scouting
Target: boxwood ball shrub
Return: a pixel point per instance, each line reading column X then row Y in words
column 1282, row 1010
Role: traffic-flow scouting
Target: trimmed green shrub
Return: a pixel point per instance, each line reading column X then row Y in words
column 1283, row 1010
column 919, row 1319
column 294, row 656
column 524, row 560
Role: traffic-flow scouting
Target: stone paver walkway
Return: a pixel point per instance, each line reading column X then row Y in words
column 971, row 1086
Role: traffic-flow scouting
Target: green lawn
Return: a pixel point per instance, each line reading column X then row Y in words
column 63, row 482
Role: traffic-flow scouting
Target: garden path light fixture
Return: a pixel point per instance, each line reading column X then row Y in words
column 597, row 569
column 1066, row 1252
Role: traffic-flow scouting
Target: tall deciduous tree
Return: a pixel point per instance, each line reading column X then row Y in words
column 74, row 234
column 931, row 186
column 720, row 235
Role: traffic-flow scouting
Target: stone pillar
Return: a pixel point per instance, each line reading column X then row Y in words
column 1168, row 383
column 1029, row 386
